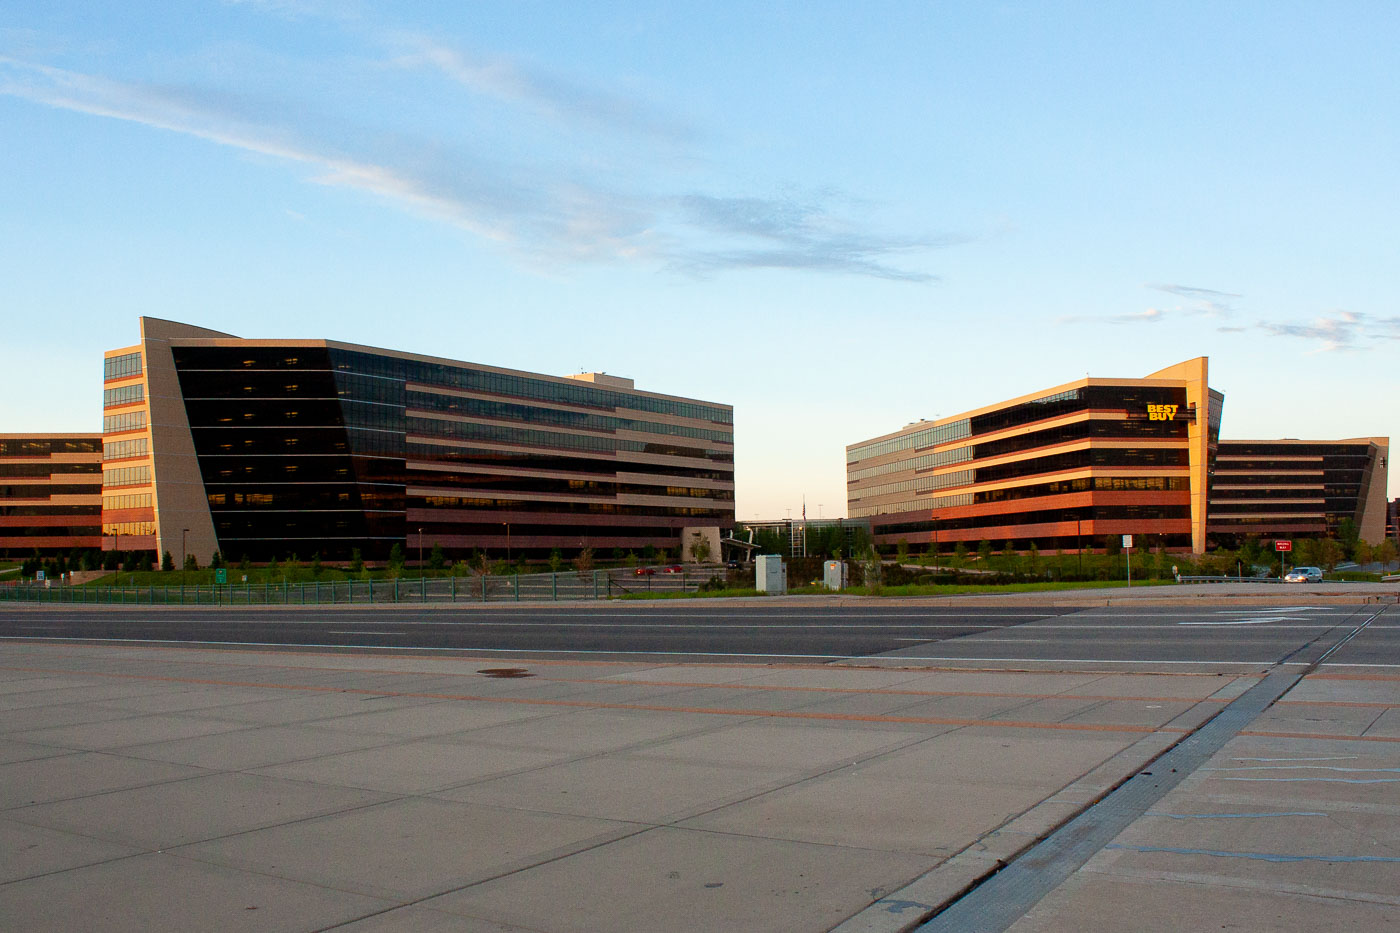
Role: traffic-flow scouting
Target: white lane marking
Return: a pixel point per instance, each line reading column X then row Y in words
column 1322, row 780
column 1327, row 758
column 1308, row 768
column 362, row 632
column 1262, row 621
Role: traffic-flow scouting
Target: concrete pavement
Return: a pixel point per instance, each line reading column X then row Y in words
column 190, row 788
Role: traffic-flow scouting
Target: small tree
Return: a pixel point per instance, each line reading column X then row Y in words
column 396, row 557
column 649, row 553
column 143, row 565
column 1033, row 564
column 584, row 563
column 273, row 568
column 556, row 560
column 191, row 563
column 316, row 564
column 437, row 560
column 461, row 569
column 873, row 568
column 1348, row 534
column 984, row 554
column 244, row 564
column 1363, row 553
column 1332, row 553
column 216, row 560
column 1386, row 551
column 357, row 561
column 167, row 562
column 901, row 551
column 959, row 554
column 1010, row 558
column 700, row 548
column 631, row 559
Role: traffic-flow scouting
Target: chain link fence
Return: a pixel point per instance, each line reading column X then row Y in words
column 528, row 587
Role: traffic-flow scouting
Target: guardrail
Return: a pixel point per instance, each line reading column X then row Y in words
column 532, row 587
column 1205, row 579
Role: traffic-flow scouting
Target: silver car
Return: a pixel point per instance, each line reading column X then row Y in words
column 1304, row 575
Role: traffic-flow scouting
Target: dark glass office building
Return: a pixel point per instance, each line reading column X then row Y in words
column 1297, row 488
column 275, row 447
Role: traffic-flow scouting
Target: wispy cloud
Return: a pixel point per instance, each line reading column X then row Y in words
column 1148, row 316
column 1338, row 331
column 546, row 213
column 1201, row 300
column 563, row 100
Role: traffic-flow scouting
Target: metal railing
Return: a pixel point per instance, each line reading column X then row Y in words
column 530, row 587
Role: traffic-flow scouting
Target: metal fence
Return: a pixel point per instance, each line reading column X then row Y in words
column 531, row 587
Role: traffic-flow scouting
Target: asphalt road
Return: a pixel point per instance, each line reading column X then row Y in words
column 1197, row 635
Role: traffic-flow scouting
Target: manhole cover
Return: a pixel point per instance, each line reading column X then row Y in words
column 505, row 672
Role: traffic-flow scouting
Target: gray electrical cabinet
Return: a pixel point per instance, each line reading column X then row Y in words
column 770, row 574
column 834, row 575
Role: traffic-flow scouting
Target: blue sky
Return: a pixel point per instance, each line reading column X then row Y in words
column 838, row 223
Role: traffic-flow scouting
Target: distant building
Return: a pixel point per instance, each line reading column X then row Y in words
column 1079, row 465
column 50, row 493
column 1297, row 488
column 269, row 448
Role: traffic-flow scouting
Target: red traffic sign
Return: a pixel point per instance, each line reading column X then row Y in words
column 1283, row 545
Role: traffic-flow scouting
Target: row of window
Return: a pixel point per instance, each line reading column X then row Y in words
column 123, row 395
column 483, row 457
column 43, row 491
column 506, row 411
column 466, row 508
column 47, row 469
column 42, row 510
column 128, row 528
column 125, row 421
column 530, row 437
column 439, row 374
column 120, row 450
column 917, row 484
column 47, row 446
column 127, row 476
column 939, row 434
column 49, row 531
column 1044, row 516
column 115, row 367
column 139, row 500
column 921, row 462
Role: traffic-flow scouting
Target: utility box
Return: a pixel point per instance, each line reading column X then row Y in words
column 770, row 574
column 834, row 575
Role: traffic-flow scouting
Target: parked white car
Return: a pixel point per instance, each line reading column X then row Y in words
column 1304, row 575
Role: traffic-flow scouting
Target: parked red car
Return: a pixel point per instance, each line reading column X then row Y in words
column 674, row 568
column 645, row 571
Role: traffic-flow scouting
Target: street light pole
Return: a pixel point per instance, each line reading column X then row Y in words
column 507, row 524
column 420, row 552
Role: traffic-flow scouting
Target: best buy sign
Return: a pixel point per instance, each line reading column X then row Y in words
column 1161, row 412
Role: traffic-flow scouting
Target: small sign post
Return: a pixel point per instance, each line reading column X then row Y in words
column 221, row 575
column 1128, row 549
column 1283, row 547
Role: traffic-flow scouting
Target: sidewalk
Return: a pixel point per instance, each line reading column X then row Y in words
column 243, row 790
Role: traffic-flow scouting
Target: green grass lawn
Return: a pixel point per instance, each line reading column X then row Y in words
column 914, row 589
